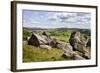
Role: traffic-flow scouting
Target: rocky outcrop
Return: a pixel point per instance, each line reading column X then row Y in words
column 36, row 40
column 76, row 48
column 80, row 43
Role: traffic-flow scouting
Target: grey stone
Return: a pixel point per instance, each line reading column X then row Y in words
column 76, row 56
column 78, row 42
column 36, row 40
column 24, row 42
column 66, row 47
column 45, row 47
column 87, row 53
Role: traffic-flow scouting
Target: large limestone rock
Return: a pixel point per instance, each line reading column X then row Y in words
column 75, row 40
column 43, row 39
column 66, row 47
column 36, row 40
column 78, row 42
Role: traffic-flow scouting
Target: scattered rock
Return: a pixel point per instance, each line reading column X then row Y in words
column 87, row 53
column 24, row 42
column 45, row 47
column 68, row 51
column 76, row 56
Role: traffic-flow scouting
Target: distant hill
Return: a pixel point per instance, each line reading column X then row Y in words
column 86, row 31
column 32, row 28
column 29, row 28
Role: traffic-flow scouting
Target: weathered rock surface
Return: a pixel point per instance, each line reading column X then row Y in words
column 36, row 40
column 45, row 47
column 76, row 56
column 78, row 42
column 68, row 51
column 87, row 53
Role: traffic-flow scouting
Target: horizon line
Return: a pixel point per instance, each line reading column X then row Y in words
column 56, row 28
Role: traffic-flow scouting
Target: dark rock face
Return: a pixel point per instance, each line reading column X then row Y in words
column 33, row 40
column 36, row 40
column 88, row 43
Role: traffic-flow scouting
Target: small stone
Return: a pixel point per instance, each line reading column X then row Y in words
column 45, row 47
column 76, row 56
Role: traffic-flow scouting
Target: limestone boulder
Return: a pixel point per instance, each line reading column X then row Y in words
column 66, row 47
column 36, row 40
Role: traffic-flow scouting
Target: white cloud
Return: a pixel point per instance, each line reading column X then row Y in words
column 58, row 19
column 34, row 22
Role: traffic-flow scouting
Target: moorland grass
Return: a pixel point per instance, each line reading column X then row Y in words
column 36, row 54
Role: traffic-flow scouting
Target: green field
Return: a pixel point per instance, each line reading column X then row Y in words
column 36, row 54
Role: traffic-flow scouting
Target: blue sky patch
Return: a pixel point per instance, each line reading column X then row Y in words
column 56, row 19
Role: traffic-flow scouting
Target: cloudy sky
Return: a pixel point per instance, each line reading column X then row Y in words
column 56, row 19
